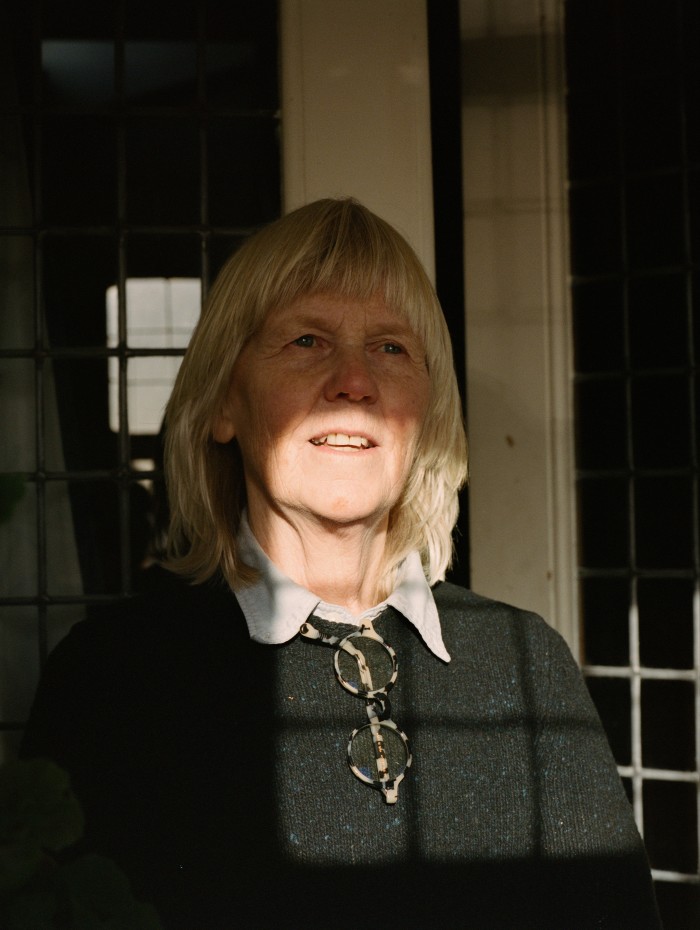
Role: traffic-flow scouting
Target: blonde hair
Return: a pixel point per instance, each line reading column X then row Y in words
column 333, row 246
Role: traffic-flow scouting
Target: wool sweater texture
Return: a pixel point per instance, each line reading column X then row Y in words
column 213, row 770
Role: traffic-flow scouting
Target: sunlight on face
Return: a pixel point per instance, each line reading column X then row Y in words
column 327, row 402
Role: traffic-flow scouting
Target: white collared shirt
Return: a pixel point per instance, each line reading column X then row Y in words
column 275, row 606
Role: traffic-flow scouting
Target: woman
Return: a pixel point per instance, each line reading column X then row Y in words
column 225, row 732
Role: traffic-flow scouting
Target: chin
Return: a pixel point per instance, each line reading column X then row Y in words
column 347, row 514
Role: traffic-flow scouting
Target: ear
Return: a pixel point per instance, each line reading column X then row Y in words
column 223, row 430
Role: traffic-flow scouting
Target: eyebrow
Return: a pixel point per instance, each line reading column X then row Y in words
column 380, row 327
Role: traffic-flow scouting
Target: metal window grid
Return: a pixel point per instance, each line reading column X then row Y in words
column 633, row 132
column 30, row 27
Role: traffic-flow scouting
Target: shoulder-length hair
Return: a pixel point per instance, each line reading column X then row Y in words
column 333, row 246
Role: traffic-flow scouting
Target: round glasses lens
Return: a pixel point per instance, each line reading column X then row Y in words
column 379, row 752
column 364, row 665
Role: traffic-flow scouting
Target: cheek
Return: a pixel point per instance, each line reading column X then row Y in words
column 268, row 434
column 409, row 413
column 409, row 422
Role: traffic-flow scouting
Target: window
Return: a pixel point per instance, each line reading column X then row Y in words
column 634, row 166
column 140, row 147
column 160, row 313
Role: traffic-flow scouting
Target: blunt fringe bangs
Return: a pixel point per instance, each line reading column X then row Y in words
column 332, row 246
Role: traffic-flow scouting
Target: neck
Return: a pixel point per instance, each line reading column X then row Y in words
column 342, row 564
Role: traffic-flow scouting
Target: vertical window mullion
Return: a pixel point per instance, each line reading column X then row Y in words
column 692, row 404
column 203, row 125
column 124, row 470
column 41, row 343
column 635, row 681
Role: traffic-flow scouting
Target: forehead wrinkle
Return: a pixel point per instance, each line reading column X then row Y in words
column 378, row 317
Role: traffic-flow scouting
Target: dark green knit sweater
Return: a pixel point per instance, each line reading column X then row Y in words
column 214, row 770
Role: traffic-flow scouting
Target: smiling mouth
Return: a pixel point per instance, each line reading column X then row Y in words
column 342, row 441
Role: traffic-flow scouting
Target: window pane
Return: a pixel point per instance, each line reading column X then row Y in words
column 17, row 329
column 665, row 622
column 668, row 711
column 162, row 171
column 220, row 250
column 651, row 121
column 241, row 55
column 17, row 414
column 593, row 135
column 604, row 523
column 243, row 185
column 679, row 903
column 19, row 661
column 177, row 255
column 601, row 417
column 605, row 614
column 77, row 272
column 669, row 808
column 18, row 547
column 658, row 321
column 79, row 181
column 109, row 514
column 81, row 385
column 598, row 308
column 160, row 73
column 661, row 422
column 63, row 571
column 66, row 62
column 160, row 19
column 611, row 697
column 59, row 620
column 160, row 313
column 596, row 237
column 588, row 26
column 653, row 205
column 79, row 19
column 236, row 76
column 664, row 522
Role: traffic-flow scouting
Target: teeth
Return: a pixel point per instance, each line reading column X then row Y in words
column 341, row 439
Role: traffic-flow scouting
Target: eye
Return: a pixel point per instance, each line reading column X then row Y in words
column 392, row 348
column 306, row 342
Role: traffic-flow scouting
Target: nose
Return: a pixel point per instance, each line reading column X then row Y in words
column 351, row 377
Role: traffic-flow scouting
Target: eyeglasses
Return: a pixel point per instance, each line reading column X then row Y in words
column 378, row 752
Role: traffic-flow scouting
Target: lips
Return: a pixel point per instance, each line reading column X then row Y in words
column 342, row 441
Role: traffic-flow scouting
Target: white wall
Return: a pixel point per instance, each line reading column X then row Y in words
column 518, row 354
column 356, row 109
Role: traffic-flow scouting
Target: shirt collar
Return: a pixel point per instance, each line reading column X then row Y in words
column 275, row 606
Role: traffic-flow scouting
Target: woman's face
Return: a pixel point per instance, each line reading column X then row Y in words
column 326, row 401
